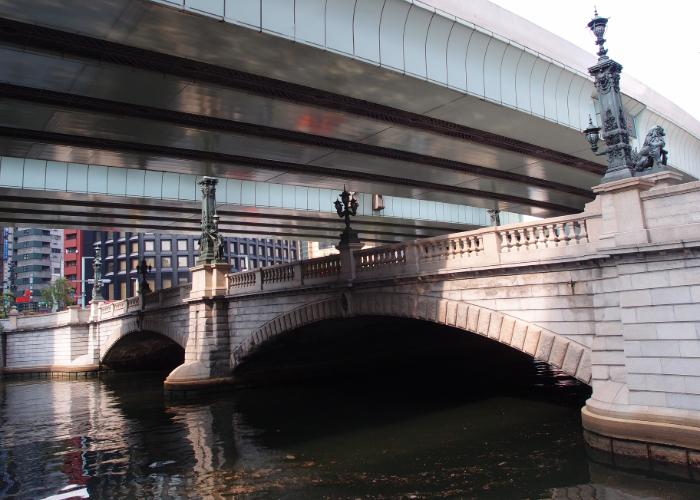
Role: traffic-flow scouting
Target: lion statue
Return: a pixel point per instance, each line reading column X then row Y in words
column 652, row 152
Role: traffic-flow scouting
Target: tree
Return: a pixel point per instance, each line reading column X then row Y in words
column 7, row 300
column 59, row 294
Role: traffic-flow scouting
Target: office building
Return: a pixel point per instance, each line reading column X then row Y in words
column 170, row 257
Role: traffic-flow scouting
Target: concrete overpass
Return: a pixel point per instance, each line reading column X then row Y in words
column 406, row 99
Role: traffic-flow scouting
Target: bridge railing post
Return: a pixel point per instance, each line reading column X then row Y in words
column 412, row 258
column 491, row 247
column 298, row 279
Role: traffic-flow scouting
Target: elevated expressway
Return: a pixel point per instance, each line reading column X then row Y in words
column 390, row 96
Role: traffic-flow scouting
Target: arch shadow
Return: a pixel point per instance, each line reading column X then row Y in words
column 143, row 350
column 540, row 344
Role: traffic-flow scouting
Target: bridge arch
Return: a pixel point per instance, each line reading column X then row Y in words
column 557, row 350
column 133, row 326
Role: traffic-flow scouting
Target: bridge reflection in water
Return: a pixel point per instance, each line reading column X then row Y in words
column 457, row 416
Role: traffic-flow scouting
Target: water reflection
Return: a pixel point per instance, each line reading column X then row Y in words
column 119, row 438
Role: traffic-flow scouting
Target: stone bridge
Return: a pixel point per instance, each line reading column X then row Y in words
column 610, row 296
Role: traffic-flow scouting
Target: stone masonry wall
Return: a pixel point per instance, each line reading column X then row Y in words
column 660, row 322
column 59, row 346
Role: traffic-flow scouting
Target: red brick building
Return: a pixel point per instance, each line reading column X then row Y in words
column 78, row 244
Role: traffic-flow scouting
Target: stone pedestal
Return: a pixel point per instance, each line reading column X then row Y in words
column 12, row 316
column 623, row 222
column 209, row 280
column 207, row 353
column 347, row 259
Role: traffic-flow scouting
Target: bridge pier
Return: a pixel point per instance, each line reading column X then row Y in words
column 645, row 404
column 207, row 350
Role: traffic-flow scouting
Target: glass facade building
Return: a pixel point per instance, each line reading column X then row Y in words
column 38, row 259
column 170, row 257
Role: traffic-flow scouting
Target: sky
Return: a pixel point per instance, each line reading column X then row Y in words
column 656, row 42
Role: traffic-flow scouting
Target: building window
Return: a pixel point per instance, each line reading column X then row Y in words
column 196, row 245
column 122, row 265
column 165, row 245
column 110, row 267
column 243, row 264
column 294, row 255
column 182, row 245
column 151, row 261
column 110, row 291
column 278, row 252
column 165, row 262
column 234, row 248
column 149, row 246
column 252, row 249
column 134, row 247
column 182, row 261
column 110, row 251
column 167, row 283
column 134, row 264
column 122, row 290
column 122, row 249
column 244, row 249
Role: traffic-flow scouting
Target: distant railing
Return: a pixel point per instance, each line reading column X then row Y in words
column 544, row 235
column 451, row 247
column 277, row 274
column 160, row 298
column 323, row 267
column 373, row 258
column 244, row 279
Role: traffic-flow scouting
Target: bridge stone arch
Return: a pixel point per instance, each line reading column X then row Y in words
column 542, row 344
column 120, row 328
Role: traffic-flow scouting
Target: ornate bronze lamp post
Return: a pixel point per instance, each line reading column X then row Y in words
column 623, row 162
column 97, row 273
column 211, row 245
column 142, row 270
column 347, row 206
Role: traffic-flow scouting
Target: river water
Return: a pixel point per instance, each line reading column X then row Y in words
column 118, row 437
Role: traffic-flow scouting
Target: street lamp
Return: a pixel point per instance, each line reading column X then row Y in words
column 347, row 206
column 142, row 269
column 97, row 273
column 623, row 162
column 592, row 135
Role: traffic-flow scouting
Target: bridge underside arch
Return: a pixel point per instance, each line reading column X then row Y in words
column 534, row 341
column 143, row 350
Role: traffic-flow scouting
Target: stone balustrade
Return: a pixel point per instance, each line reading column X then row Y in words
column 563, row 237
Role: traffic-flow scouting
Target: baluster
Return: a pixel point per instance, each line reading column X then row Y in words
column 505, row 244
column 531, row 237
column 521, row 239
column 583, row 234
column 551, row 241
column 561, row 234
column 541, row 240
